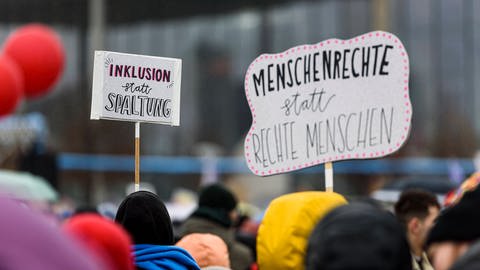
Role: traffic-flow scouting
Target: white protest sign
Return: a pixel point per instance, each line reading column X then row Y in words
column 331, row 101
column 136, row 88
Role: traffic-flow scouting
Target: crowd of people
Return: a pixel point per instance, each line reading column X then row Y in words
column 310, row 230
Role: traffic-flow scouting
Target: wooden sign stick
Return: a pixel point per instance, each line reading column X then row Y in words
column 137, row 156
column 329, row 177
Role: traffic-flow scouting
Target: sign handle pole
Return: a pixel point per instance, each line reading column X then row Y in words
column 329, row 177
column 137, row 156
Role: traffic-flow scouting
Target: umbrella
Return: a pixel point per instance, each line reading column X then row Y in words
column 25, row 186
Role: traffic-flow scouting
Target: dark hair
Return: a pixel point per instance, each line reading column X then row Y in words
column 358, row 236
column 414, row 203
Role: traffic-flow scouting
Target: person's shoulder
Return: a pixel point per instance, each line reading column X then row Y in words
column 198, row 223
column 240, row 248
column 201, row 225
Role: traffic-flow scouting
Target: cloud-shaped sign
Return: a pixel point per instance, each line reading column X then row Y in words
column 331, row 101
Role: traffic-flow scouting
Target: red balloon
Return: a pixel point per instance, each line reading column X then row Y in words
column 39, row 53
column 11, row 85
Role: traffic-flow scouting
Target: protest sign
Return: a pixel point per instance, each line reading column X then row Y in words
column 331, row 101
column 136, row 88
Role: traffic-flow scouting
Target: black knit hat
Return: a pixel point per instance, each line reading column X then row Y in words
column 215, row 203
column 217, row 196
column 358, row 236
column 460, row 222
column 146, row 218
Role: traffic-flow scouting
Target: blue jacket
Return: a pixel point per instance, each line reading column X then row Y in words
column 154, row 257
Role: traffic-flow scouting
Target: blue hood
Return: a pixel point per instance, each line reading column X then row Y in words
column 154, row 257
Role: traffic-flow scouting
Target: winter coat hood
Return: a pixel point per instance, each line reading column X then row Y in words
column 154, row 257
column 146, row 218
column 286, row 226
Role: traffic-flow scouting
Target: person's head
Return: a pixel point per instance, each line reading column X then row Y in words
column 208, row 250
column 218, row 204
column 358, row 236
column 106, row 239
column 456, row 228
column 287, row 224
column 146, row 218
column 417, row 210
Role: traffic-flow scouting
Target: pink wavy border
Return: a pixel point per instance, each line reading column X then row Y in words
column 365, row 155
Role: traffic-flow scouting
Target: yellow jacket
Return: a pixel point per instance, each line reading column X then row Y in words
column 287, row 224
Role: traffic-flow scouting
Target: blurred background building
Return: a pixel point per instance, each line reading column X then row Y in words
column 91, row 161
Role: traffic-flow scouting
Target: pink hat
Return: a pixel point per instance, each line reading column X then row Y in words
column 207, row 249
